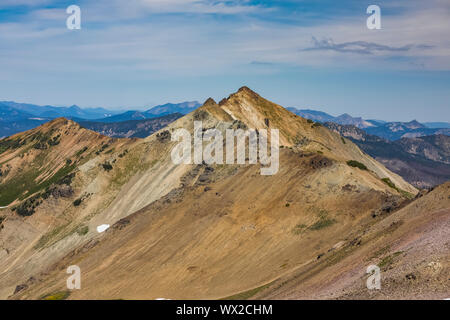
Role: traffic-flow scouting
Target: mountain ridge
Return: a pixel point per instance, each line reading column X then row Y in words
column 131, row 128
column 387, row 130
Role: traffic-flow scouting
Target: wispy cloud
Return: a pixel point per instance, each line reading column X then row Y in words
column 28, row 3
column 198, row 6
column 360, row 47
column 262, row 63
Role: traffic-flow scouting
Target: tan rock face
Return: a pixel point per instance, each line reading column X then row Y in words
column 192, row 231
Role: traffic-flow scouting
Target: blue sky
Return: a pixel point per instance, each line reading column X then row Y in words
column 307, row 54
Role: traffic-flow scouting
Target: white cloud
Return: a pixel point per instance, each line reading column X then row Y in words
column 49, row 14
column 197, row 6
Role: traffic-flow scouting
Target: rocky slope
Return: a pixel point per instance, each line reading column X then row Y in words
column 411, row 248
column 197, row 230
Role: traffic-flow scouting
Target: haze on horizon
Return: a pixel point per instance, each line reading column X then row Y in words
column 307, row 54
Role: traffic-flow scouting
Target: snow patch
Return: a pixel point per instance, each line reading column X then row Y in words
column 102, row 228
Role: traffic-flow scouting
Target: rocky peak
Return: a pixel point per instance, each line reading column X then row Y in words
column 210, row 102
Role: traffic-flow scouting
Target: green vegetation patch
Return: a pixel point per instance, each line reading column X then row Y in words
column 10, row 191
column 25, row 185
column 103, row 148
column 61, row 295
column 392, row 185
column 388, row 260
column 323, row 222
column 406, row 194
column 46, row 238
column 247, row 294
column 129, row 166
column 63, row 176
column 81, row 151
column 299, row 228
column 356, row 164
column 7, row 144
column 389, row 183
column 45, row 140
column 83, row 230
column 67, row 179
column 381, row 252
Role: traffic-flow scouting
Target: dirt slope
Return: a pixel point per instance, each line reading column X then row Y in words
column 411, row 247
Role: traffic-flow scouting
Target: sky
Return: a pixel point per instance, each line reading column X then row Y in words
column 309, row 54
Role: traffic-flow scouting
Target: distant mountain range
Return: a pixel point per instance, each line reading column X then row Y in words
column 52, row 112
column 158, row 111
column 168, row 108
column 399, row 130
column 18, row 117
column 387, row 130
column 435, row 125
column 422, row 161
column 130, row 128
column 325, row 117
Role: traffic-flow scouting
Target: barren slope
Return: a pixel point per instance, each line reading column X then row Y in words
column 411, row 247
